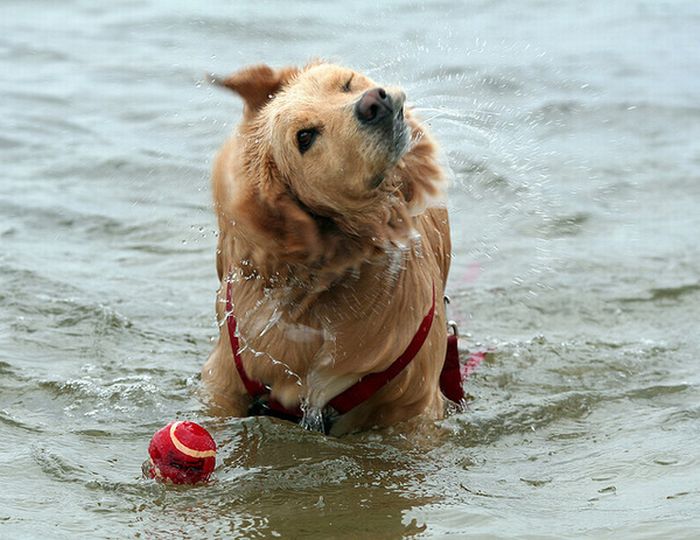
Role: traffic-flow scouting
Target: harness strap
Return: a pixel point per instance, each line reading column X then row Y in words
column 254, row 388
column 451, row 377
column 370, row 384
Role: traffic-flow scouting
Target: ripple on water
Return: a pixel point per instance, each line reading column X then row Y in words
column 461, row 79
column 106, row 399
column 7, row 143
column 521, row 416
column 47, row 314
column 5, row 367
column 556, row 386
column 38, row 307
column 677, row 293
column 13, row 422
column 484, row 175
column 94, row 227
column 272, row 28
column 59, row 468
column 558, row 226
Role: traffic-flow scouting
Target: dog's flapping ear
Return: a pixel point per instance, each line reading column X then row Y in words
column 280, row 215
column 257, row 84
column 268, row 217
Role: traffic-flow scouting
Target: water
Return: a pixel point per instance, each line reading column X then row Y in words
column 572, row 132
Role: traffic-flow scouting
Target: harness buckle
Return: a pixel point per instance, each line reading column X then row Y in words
column 453, row 325
column 450, row 323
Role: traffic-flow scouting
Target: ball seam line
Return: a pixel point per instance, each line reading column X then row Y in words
column 191, row 452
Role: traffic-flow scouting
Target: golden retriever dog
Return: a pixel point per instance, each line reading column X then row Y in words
column 333, row 254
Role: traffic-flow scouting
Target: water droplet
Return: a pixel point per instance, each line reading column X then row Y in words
column 312, row 419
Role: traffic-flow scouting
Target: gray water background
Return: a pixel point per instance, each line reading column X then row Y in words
column 572, row 132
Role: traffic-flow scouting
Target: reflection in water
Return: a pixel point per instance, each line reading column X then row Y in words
column 275, row 478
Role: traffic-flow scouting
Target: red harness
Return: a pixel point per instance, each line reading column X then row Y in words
column 451, row 377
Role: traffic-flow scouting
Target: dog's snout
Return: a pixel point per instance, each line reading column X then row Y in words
column 374, row 106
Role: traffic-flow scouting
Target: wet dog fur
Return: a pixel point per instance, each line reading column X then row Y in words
column 332, row 240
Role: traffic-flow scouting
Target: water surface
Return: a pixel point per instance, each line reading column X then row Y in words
column 572, row 133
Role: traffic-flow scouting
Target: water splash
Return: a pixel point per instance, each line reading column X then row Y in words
column 397, row 262
column 416, row 241
column 312, row 419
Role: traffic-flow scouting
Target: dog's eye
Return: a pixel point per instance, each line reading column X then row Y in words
column 346, row 86
column 305, row 138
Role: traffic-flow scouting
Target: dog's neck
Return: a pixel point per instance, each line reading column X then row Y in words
column 298, row 285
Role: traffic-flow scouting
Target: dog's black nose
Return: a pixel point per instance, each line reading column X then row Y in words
column 374, row 106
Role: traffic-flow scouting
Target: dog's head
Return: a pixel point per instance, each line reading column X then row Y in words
column 325, row 146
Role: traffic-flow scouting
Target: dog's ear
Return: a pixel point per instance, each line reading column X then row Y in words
column 257, row 84
column 271, row 219
column 292, row 229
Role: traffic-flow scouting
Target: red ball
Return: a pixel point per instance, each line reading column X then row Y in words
column 181, row 453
